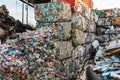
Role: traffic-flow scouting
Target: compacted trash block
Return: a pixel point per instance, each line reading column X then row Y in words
column 52, row 12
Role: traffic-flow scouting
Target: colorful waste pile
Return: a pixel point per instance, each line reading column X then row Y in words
column 107, row 58
column 65, row 46
column 107, row 61
column 34, row 57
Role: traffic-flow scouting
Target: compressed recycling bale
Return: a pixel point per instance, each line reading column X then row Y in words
column 55, row 31
column 64, row 49
column 77, row 37
column 88, row 37
column 78, row 52
column 63, row 29
column 79, row 21
column 83, row 9
column 52, row 12
column 66, row 31
column 76, row 20
column 66, row 65
column 88, row 13
column 85, row 24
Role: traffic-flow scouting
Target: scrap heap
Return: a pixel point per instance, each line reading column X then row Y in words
column 62, row 47
column 6, row 22
column 108, row 33
column 54, row 50
column 9, row 26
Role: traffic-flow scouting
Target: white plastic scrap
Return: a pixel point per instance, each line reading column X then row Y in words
column 95, row 44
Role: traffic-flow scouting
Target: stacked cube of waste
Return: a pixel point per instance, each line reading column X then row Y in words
column 56, row 17
column 83, row 34
column 83, row 23
column 75, row 32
